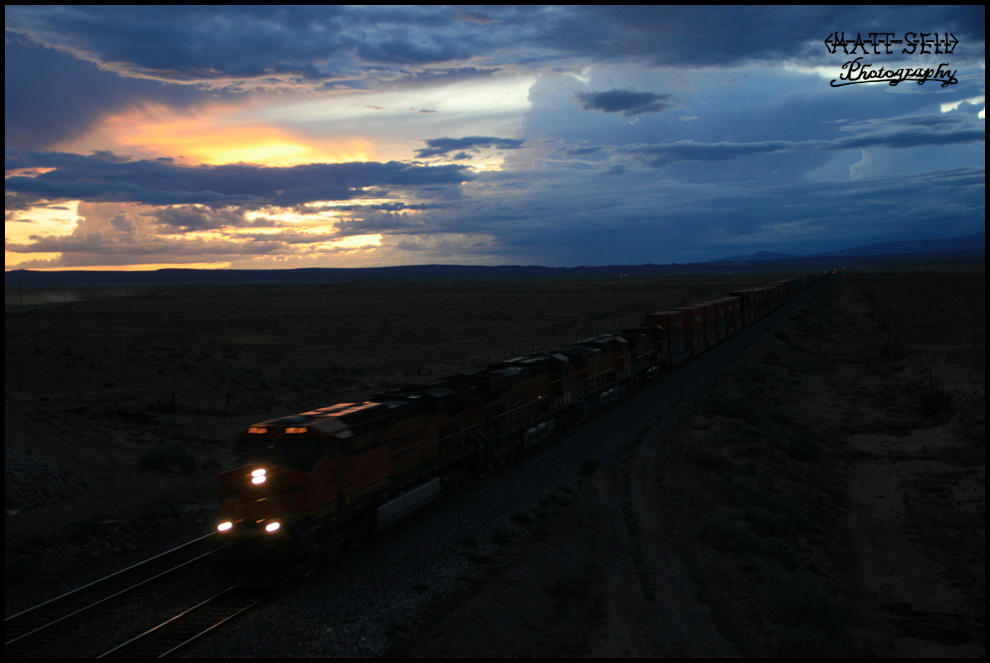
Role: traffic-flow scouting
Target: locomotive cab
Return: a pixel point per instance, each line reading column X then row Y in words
column 271, row 492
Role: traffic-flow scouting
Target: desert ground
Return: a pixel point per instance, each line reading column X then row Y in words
column 831, row 494
column 828, row 496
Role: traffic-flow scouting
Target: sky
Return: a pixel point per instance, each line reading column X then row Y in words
column 285, row 137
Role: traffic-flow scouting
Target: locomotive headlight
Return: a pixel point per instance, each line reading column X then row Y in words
column 225, row 526
column 272, row 526
column 258, row 477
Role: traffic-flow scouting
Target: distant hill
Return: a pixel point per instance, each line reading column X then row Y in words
column 763, row 261
column 761, row 256
column 967, row 243
column 183, row 277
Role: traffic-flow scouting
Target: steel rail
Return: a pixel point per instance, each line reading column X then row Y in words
column 184, row 628
column 32, row 622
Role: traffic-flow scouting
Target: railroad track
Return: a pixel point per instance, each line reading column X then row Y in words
column 177, row 632
column 26, row 632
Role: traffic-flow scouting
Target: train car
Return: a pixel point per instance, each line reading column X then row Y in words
column 694, row 328
column 734, row 306
column 614, row 368
column 312, row 481
column 678, row 344
column 309, row 483
column 593, row 374
column 649, row 348
column 552, row 371
column 710, row 323
column 512, row 399
column 721, row 321
column 763, row 303
column 728, row 315
column 747, row 305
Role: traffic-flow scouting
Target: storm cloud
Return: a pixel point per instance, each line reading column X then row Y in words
column 110, row 178
column 444, row 146
column 625, row 102
column 285, row 136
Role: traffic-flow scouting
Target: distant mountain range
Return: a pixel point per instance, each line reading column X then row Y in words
column 938, row 250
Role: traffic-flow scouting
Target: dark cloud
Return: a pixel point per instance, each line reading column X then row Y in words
column 583, row 151
column 189, row 44
column 203, row 44
column 417, row 44
column 626, row 102
column 444, row 146
column 161, row 182
column 690, row 150
column 408, row 35
column 378, row 207
column 906, row 139
column 192, row 218
column 52, row 96
column 915, row 133
column 123, row 248
column 700, row 36
column 400, row 224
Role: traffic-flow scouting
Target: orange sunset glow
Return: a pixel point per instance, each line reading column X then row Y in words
column 214, row 139
column 150, row 267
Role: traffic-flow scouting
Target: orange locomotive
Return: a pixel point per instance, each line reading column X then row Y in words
column 312, row 482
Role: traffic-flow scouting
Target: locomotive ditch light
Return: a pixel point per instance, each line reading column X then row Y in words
column 225, row 526
column 273, row 527
column 258, row 477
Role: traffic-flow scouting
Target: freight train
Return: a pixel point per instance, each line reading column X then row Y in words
column 311, row 483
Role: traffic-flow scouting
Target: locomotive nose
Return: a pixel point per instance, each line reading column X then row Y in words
column 251, row 502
